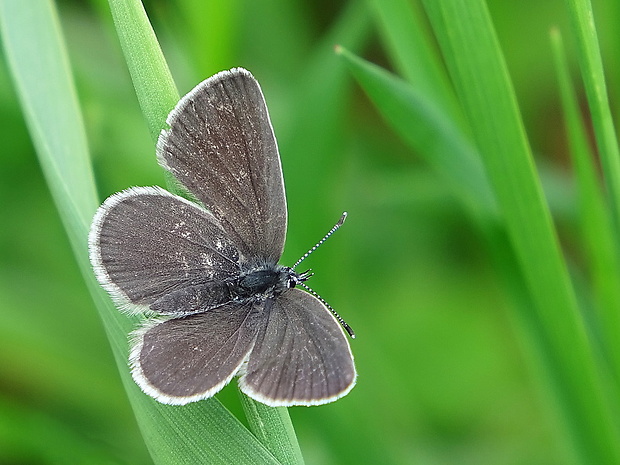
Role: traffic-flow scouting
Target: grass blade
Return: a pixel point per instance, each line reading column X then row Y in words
column 596, row 223
column 591, row 64
column 408, row 42
column 428, row 130
column 157, row 95
column 264, row 420
column 475, row 61
column 151, row 77
column 39, row 66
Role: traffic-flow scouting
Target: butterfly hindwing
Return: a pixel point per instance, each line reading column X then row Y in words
column 186, row 359
column 301, row 355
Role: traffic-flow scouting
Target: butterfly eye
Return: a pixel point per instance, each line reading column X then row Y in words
column 298, row 278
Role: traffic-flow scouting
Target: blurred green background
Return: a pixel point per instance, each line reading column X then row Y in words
column 443, row 375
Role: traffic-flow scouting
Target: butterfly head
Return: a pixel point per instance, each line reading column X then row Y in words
column 295, row 278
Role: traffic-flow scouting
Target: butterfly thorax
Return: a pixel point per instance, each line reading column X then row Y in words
column 263, row 282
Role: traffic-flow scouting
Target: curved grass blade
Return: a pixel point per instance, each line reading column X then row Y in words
column 264, row 420
column 591, row 64
column 477, row 67
column 151, row 77
column 429, row 130
column 594, row 216
column 410, row 46
column 157, row 95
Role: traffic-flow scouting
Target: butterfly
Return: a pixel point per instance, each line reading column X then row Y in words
column 205, row 272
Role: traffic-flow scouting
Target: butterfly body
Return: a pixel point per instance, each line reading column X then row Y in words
column 266, row 281
column 209, row 269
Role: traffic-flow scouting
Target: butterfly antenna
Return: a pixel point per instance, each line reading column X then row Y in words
column 344, row 324
column 325, row 237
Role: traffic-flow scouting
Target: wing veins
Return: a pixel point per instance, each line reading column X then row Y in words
column 236, row 331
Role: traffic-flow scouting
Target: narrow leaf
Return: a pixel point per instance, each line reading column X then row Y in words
column 264, row 421
column 591, row 64
column 151, row 77
column 596, row 223
column 477, row 67
column 413, row 52
column 158, row 95
column 427, row 129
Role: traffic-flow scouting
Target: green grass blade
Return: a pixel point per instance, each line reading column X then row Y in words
column 151, row 77
column 264, row 420
column 428, row 130
column 596, row 223
column 39, row 65
column 157, row 95
column 202, row 432
column 477, row 67
column 409, row 44
column 311, row 142
column 591, row 64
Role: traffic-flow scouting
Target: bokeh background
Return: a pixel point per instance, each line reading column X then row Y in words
column 443, row 375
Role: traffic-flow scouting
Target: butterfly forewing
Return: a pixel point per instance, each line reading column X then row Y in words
column 221, row 147
column 146, row 243
column 301, row 355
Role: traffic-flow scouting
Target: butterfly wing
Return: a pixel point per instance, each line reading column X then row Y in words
column 186, row 359
column 301, row 355
column 221, row 148
column 146, row 244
